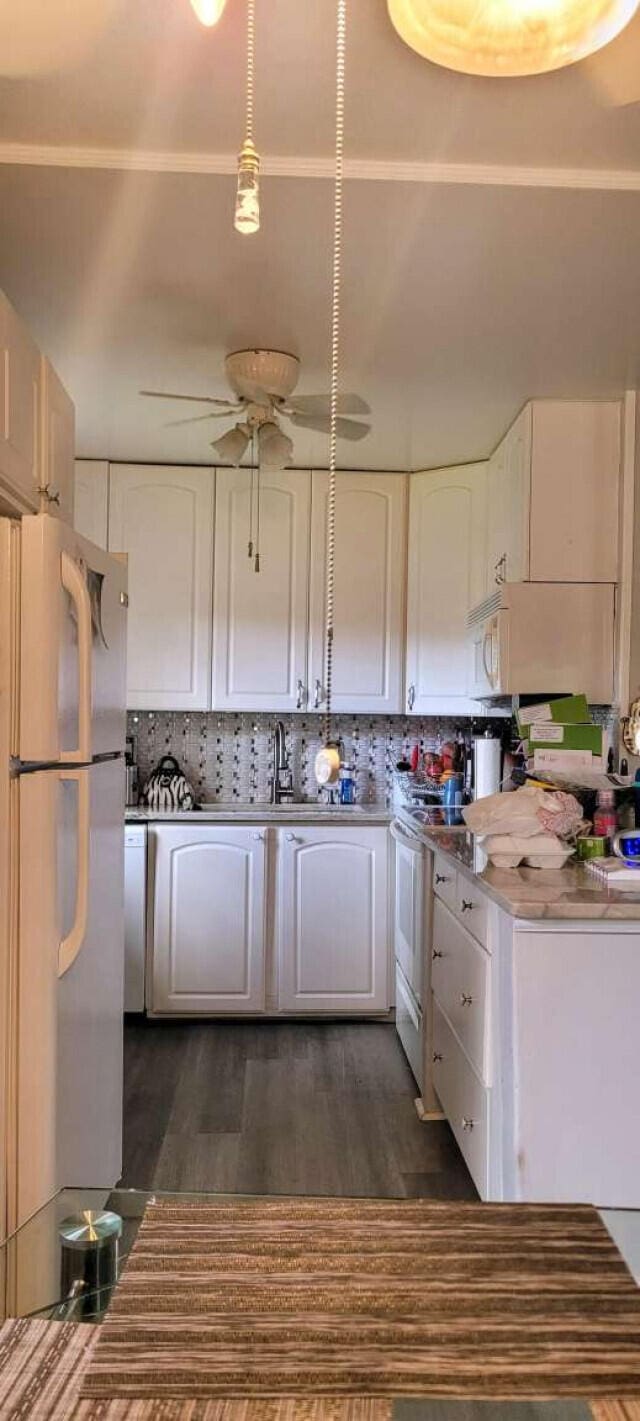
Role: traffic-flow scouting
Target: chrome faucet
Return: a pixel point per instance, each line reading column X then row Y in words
column 281, row 785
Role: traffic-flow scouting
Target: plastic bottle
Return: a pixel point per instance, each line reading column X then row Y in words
column 605, row 819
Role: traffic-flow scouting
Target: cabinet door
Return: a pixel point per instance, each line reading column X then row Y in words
column 509, row 493
column 20, row 382
column 163, row 519
column 575, row 477
column 260, row 618
column 333, row 920
column 446, row 516
column 91, row 500
column 208, row 919
column 58, row 432
column 370, row 561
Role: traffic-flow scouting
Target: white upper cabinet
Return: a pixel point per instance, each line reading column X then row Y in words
column 333, row 929
column 162, row 517
column 553, row 495
column 509, row 477
column 58, row 437
column 260, row 618
column 91, row 500
column 370, row 575
column 447, row 530
column 20, row 411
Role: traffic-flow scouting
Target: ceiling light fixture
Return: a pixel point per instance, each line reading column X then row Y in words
column 208, row 11
column 274, row 447
column 506, row 38
column 232, row 445
column 247, row 216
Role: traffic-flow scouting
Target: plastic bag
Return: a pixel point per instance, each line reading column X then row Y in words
column 515, row 813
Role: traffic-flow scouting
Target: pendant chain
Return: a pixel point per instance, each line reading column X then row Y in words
column 335, row 356
column 251, row 49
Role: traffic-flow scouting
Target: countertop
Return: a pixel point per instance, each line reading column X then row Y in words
column 236, row 813
column 559, row 893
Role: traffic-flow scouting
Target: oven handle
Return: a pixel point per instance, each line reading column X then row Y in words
column 404, row 836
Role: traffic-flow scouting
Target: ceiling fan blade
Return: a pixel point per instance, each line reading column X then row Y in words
column 345, row 428
column 320, row 404
column 198, row 418
column 199, row 399
column 614, row 71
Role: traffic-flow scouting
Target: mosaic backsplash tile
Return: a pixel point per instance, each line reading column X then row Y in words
column 228, row 756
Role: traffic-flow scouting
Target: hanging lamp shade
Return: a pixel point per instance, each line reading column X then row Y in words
column 508, row 37
column 208, row 11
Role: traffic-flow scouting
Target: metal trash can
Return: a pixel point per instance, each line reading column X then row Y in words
column 89, row 1250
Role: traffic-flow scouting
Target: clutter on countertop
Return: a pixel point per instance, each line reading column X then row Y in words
column 531, row 825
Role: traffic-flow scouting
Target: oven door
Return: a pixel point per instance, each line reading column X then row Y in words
column 409, row 907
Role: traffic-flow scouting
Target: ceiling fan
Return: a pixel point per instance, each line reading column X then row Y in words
column 263, row 382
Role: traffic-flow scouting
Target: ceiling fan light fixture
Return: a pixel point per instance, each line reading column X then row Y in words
column 508, row 38
column 231, row 447
column 208, row 11
column 274, row 447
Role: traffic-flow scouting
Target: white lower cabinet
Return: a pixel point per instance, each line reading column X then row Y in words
column 208, row 934
column 333, row 931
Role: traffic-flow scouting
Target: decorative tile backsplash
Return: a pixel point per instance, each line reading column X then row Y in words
column 228, row 756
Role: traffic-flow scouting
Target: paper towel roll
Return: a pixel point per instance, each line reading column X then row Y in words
column 487, row 755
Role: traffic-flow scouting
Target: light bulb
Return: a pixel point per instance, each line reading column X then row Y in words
column 508, row 37
column 247, row 216
column 208, row 11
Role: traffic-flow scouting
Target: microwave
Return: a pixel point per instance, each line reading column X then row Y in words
column 543, row 637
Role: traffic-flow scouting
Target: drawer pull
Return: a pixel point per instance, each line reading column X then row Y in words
column 467, row 1123
column 437, row 1056
column 436, row 954
column 466, row 905
column 465, row 999
column 442, row 878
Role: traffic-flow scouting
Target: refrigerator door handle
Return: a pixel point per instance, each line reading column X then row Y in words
column 75, row 584
column 72, row 943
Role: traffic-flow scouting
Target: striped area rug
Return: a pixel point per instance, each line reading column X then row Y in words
column 355, row 1298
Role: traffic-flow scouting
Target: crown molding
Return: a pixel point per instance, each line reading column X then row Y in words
column 355, row 169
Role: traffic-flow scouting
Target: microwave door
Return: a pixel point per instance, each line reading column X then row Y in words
column 72, row 646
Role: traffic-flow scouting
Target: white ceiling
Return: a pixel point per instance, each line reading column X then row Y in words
column 459, row 300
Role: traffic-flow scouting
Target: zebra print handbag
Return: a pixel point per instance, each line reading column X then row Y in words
column 167, row 787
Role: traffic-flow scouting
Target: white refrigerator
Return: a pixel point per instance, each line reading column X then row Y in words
column 63, row 609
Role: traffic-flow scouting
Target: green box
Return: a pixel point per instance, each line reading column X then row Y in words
column 567, row 710
column 551, row 736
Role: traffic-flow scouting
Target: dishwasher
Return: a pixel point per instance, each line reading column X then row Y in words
column 135, row 915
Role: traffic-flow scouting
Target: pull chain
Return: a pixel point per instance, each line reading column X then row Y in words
column 335, row 357
column 252, row 473
column 256, row 564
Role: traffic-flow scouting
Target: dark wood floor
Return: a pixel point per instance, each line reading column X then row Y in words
column 280, row 1108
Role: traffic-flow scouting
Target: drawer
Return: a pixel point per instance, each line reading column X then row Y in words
column 464, row 1099
column 444, row 880
column 459, row 979
column 471, row 907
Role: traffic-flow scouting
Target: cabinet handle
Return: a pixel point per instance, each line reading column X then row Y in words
column 437, row 1056
column 466, row 1000
column 436, row 953
column 260, row 837
column 411, row 696
column 442, row 878
column 299, row 694
column 466, row 905
column 317, row 696
column 467, row 1123
column 291, row 838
